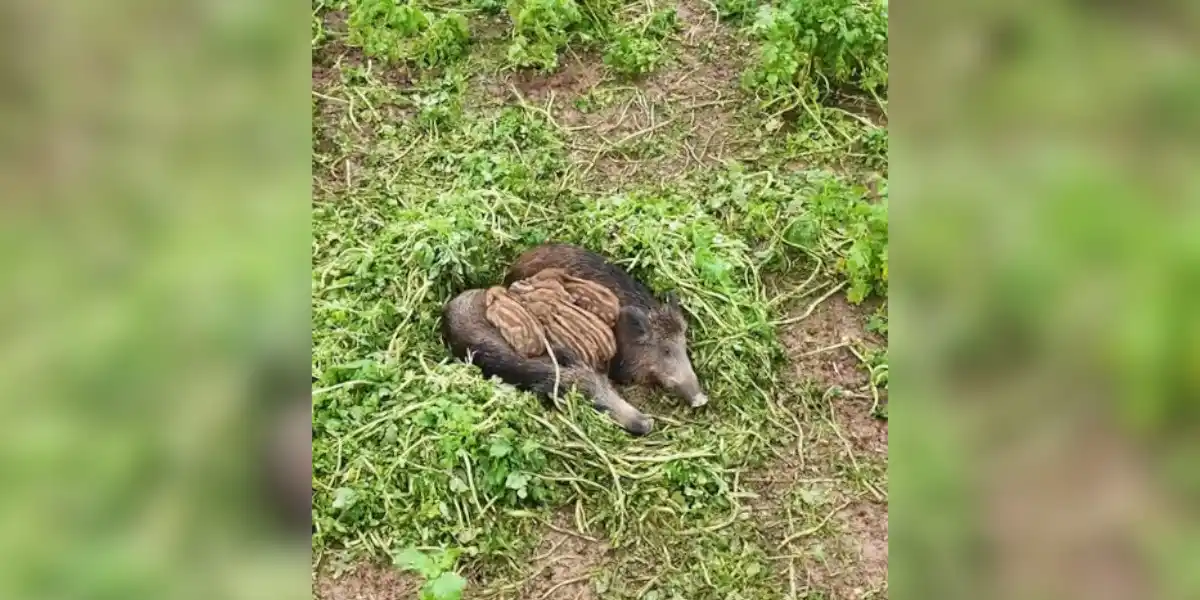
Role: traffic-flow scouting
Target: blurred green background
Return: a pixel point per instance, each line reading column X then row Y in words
column 1046, row 304
column 153, row 160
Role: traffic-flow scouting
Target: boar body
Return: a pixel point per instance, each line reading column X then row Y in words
column 472, row 338
column 651, row 335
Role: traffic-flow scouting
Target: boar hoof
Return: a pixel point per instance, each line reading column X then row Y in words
column 641, row 426
column 699, row 400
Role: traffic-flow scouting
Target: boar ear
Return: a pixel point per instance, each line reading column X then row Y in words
column 634, row 321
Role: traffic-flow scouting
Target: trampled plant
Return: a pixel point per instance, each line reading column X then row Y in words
column 822, row 215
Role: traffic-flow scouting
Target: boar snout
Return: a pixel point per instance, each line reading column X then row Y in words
column 687, row 387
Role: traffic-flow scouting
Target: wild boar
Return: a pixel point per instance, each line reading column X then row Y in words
column 651, row 336
column 473, row 338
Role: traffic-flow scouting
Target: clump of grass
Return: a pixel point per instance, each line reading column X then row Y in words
column 540, row 29
column 872, row 144
column 638, row 49
column 441, row 582
column 513, row 151
column 816, row 214
column 820, row 136
column 383, row 27
column 630, row 54
column 811, row 49
column 490, row 7
column 444, row 41
column 401, row 31
column 736, row 11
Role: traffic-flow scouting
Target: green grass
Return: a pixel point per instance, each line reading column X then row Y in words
column 421, row 191
column 811, row 49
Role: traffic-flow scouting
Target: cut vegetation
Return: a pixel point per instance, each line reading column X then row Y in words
column 732, row 152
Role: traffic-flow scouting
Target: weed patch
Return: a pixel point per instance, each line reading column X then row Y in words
column 638, row 49
column 540, row 29
column 400, row 31
column 813, row 48
column 819, row 216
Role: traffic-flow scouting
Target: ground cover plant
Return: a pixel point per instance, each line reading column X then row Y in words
column 450, row 136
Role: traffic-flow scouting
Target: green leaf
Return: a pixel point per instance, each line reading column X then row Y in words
column 344, row 498
column 447, row 586
column 412, row 559
column 500, row 448
column 516, row 481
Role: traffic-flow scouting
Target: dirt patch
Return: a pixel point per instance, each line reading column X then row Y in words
column 574, row 78
column 859, row 565
column 698, row 94
column 819, row 351
column 866, row 432
column 349, row 119
column 563, row 565
column 830, row 542
column 366, row 582
column 822, row 504
column 710, row 62
column 867, row 525
column 624, row 132
column 818, row 346
column 335, row 54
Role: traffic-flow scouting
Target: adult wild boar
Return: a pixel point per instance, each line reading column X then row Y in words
column 651, row 335
column 471, row 337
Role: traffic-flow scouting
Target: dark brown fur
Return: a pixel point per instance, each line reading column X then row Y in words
column 651, row 336
column 472, row 337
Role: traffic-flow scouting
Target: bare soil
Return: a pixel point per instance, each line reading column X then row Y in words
column 817, row 345
column 572, row 79
column 366, row 582
column 563, row 564
column 832, row 530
